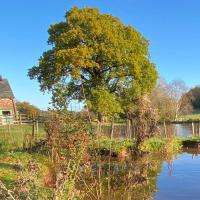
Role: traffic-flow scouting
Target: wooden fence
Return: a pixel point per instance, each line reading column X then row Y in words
column 21, row 119
column 120, row 129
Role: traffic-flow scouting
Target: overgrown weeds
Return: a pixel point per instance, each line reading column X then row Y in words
column 103, row 146
column 155, row 144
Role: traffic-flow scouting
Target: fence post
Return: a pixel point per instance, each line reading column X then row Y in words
column 112, row 129
column 165, row 129
column 199, row 129
column 33, row 130
column 36, row 123
column 192, row 129
column 20, row 119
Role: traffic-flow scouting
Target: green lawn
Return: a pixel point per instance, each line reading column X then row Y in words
column 14, row 135
column 189, row 117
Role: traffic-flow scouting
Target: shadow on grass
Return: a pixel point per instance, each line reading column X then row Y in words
column 15, row 167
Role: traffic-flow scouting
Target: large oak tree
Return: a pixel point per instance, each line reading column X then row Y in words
column 96, row 53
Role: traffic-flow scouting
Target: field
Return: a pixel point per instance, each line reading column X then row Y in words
column 15, row 135
column 13, row 158
column 191, row 117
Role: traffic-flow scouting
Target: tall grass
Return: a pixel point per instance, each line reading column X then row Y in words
column 13, row 136
column 171, row 145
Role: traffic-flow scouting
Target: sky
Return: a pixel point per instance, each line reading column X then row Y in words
column 171, row 26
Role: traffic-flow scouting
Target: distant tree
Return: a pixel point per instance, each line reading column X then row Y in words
column 162, row 101
column 177, row 89
column 98, row 55
column 170, row 99
column 28, row 109
column 186, row 106
column 194, row 94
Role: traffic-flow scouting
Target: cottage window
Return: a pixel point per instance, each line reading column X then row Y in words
column 6, row 113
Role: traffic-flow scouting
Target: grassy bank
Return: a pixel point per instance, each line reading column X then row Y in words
column 104, row 145
column 14, row 136
column 167, row 146
column 35, row 173
column 188, row 118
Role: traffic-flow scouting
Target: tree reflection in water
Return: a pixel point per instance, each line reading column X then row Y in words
column 121, row 180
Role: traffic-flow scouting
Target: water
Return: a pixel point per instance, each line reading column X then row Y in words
column 180, row 130
column 184, row 130
column 180, row 181
column 125, row 180
column 151, row 177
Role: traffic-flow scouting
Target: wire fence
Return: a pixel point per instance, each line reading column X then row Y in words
column 22, row 119
column 21, row 132
column 18, row 136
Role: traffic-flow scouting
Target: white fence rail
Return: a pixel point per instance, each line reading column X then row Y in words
column 20, row 119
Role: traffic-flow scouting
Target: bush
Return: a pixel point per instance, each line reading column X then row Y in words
column 152, row 145
column 116, row 145
column 172, row 145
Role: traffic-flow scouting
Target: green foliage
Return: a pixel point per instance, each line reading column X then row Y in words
column 185, row 118
column 190, row 139
column 95, row 51
column 24, row 183
column 28, row 109
column 153, row 145
column 116, row 145
column 105, row 103
column 172, row 145
column 194, row 93
column 59, row 100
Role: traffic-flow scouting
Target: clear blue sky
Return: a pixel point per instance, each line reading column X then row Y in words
column 172, row 27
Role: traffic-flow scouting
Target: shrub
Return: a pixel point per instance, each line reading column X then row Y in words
column 172, row 145
column 116, row 145
column 153, row 145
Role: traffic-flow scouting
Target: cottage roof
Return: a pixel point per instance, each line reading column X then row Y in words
column 5, row 89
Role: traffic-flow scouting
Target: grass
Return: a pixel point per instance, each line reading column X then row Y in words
column 151, row 145
column 172, row 145
column 192, row 139
column 9, row 173
column 188, row 118
column 117, row 145
column 11, row 140
column 13, row 136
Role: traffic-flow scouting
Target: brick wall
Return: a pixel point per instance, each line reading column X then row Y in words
column 6, row 104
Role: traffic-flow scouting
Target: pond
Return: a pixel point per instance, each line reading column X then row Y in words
column 151, row 177
column 179, row 180
column 185, row 129
column 182, row 129
column 179, row 130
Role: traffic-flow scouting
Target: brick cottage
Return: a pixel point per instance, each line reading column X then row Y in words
column 8, row 109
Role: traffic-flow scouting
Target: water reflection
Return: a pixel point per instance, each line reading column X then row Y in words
column 127, row 180
column 181, row 130
column 183, row 182
column 154, row 177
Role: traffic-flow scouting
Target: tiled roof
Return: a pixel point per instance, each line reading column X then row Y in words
column 5, row 89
